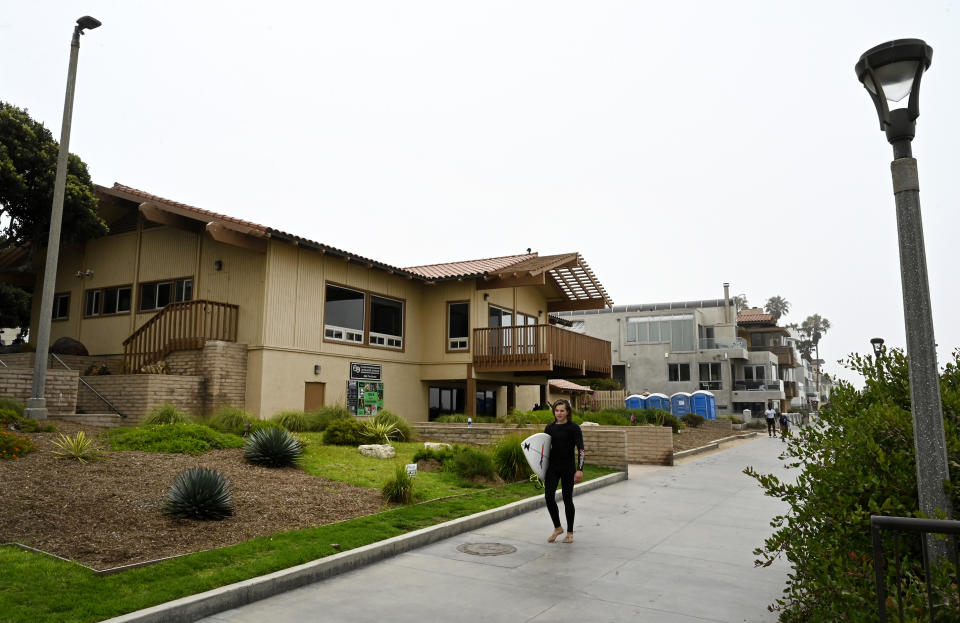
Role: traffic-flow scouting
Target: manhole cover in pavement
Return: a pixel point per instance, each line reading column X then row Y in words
column 486, row 549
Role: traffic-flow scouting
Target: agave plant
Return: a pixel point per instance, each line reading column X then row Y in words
column 273, row 447
column 78, row 447
column 200, row 493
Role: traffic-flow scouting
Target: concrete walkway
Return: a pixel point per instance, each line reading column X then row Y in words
column 670, row 545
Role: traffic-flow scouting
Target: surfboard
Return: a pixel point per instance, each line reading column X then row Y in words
column 536, row 449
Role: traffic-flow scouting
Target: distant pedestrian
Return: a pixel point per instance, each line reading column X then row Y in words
column 564, row 467
column 771, row 417
column 784, row 427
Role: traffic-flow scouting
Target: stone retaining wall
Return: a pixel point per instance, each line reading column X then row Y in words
column 60, row 388
column 135, row 394
column 80, row 363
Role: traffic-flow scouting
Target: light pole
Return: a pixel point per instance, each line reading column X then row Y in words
column 877, row 344
column 891, row 72
column 37, row 403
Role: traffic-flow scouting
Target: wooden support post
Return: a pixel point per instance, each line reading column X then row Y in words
column 511, row 397
column 543, row 395
column 470, row 401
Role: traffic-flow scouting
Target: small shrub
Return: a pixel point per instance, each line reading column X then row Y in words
column 469, row 463
column 318, row 420
column 34, row 426
column 79, row 447
column 756, row 425
column 734, row 419
column 14, row 446
column 509, row 460
column 292, row 420
column 379, row 432
column 440, row 456
column 273, row 447
column 199, row 493
column 9, row 417
column 231, row 420
column 12, row 405
column 166, row 414
column 343, row 433
column 459, row 418
column 171, row 438
column 399, row 489
column 522, row 418
column 404, row 432
column 693, row 420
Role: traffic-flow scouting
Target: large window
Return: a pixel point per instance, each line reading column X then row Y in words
column 343, row 314
column 107, row 301
column 710, row 376
column 386, row 322
column 61, row 306
column 678, row 372
column 500, row 341
column 159, row 294
column 458, row 326
column 447, row 400
column 676, row 330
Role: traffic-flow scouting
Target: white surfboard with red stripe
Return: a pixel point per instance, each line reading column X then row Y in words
column 536, row 448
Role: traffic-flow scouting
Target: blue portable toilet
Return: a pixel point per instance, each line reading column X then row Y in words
column 658, row 401
column 704, row 403
column 636, row 401
column 681, row 404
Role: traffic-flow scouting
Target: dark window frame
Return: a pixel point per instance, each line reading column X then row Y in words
column 465, row 338
column 679, row 367
column 102, row 294
column 365, row 332
column 176, row 283
column 57, row 297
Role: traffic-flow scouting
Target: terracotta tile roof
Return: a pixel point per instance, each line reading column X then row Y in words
column 468, row 268
column 755, row 316
column 565, row 385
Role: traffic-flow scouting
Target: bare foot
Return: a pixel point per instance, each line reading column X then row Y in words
column 553, row 537
column 568, row 538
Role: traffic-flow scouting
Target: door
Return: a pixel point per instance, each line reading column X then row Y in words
column 313, row 396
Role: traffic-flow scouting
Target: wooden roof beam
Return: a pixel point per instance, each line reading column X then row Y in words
column 235, row 239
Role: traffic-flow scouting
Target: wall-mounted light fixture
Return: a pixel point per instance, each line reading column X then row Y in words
column 486, row 296
column 85, row 274
column 666, row 355
column 217, row 264
column 540, row 313
column 316, row 369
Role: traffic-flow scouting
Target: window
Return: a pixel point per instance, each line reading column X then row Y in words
column 458, row 326
column 61, row 306
column 527, row 337
column 710, row 376
column 501, row 342
column 159, row 294
column 107, row 301
column 343, row 314
column 678, row 372
column 445, row 400
column 676, row 330
column 386, row 322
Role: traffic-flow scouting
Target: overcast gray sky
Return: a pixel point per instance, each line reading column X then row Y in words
column 676, row 145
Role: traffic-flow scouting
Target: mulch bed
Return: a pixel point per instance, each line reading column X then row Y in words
column 692, row 438
column 108, row 513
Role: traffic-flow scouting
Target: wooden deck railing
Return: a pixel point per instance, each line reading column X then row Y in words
column 540, row 347
column 179, row 326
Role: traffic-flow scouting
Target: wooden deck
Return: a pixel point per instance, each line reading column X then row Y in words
column 540, row 348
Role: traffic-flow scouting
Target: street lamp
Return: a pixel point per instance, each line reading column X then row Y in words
column 891, row 72
column 877, row 344
column 37, row 403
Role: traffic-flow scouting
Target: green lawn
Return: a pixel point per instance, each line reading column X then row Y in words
column 37, row 588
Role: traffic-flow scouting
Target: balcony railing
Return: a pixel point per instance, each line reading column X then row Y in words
column 762, row 385
column 711, row 386
column 714, row 343
column 179, row 326
column 540, row 347
column 790, row 389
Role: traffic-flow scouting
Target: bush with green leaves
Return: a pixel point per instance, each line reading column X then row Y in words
column 78, row 447
column 199, row 493
column 14, row 446
column 460, row 418
column 166, row 413
column 231, row 420
column 439, row 455
column 344, row 433
column 470, row 463
column 855, row 461
column 292, row 420
column 171, row 438
column 318, row 420
column 273, row 447
column 379, row 432
column 523, row 418
column 399, row 489
column 510, row 462
column 11, row 404
column 693, row 420
column 263, row 425
column 403, row 430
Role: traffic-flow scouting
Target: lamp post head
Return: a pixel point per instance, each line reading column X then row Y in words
column 87, row 23
column 891, row 72
column 877, row 344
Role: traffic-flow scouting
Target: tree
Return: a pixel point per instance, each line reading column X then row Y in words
column 28, row 168
column 740, row 302
column 14, row 307
column 811, row 330
column 778, row 306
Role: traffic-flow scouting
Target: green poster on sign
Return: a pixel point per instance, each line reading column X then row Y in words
column 369, row 397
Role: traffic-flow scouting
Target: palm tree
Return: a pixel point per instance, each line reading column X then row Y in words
column 778, row 306
column 812, row 329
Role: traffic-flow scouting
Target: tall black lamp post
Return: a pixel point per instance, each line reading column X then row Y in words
column 877, row 344
column 891, row 73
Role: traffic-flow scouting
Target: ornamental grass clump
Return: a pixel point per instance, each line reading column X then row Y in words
column 79, row 447
column 693, row 420
column 12, row 405
column 509, row 459
column 402, row 427
column 470, row 463
column 292, row 420
column 166, row 414
column 171, row 439
column 321, row 418
column 199, row 493
column 399, row 489
column 14, row 446
column 231, row 420
column 273, row 447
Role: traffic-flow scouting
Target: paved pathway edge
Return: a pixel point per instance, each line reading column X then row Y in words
column 195, row 607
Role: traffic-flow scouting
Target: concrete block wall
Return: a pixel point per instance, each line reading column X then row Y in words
column 649, row 445
column 719, row 424
column 76, row 362
column 60, row 388
column 184, row 362
column 135, row 394
column 224, row 366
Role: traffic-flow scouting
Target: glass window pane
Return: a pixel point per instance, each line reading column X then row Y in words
column 110, row 301
column 123, row 300
column 148, row 296
column 344, row 308
column 684, row 371
column 665, row 331
column 92, row 305
column 643, row 331
column 654, row 328
column 164, row 294
column 386, row 316
column 458, row 324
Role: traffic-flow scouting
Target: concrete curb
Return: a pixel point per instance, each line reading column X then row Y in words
column 711, row 446
column 195, row 607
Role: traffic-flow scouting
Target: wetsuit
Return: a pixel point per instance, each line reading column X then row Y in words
column 566, row 458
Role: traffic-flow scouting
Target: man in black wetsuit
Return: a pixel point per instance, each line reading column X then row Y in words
column 565, row 466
